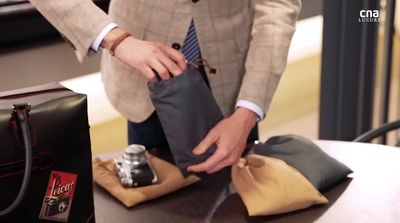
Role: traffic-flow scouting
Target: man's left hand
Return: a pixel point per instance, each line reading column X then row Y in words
column 230, row 137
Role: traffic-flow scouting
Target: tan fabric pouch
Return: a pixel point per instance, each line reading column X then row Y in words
column 169, row 180
column 269, row 186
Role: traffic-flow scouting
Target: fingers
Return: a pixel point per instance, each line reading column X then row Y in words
column 218, row 167
column 227, row 161
column 161, row 70
column 206, row 143
column 148, row 73
column 170, row 65
column 175, row 55
column 167, row 61
column 211, row 162
column 220, row 159
column 146, row 56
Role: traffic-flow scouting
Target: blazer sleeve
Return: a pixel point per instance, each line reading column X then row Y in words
column 79, row 21
column 272, row 30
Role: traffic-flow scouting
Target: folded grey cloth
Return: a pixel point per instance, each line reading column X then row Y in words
column 187, row 111
column 318, row 167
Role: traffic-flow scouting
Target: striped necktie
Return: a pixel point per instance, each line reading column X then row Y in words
column 191, row 48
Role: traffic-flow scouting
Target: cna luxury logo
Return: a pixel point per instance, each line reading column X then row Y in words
column 369, row 16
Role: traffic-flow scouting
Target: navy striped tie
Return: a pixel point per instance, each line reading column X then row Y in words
column 191, row 48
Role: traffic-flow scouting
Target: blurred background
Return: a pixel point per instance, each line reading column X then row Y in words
column 342, row 77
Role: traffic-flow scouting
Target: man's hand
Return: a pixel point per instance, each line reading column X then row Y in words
column 147, row 57
column 230, row 136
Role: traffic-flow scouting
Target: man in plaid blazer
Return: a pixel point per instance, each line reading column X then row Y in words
column 246, row 41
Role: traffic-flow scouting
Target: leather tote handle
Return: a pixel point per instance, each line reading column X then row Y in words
column 20, row 114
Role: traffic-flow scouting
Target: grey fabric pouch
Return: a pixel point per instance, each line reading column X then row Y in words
column 187, row 111
column 318, row 167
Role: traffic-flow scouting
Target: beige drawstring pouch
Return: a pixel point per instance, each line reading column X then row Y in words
column 269, row 186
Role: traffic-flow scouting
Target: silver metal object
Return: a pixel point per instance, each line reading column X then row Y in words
column 133, row 167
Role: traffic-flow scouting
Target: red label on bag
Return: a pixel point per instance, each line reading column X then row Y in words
column 59, row 196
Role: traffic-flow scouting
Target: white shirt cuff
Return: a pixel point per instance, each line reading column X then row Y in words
column 252, row 107
column 96, row 43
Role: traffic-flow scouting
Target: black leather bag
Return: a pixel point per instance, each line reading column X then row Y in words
column 187, row 111
column 45, row 156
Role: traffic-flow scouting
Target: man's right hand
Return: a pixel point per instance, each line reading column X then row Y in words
column 146, row 57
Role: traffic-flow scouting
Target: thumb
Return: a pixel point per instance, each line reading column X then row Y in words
column 206, row 143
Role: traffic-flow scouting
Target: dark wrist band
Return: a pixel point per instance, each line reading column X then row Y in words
column 118, row 41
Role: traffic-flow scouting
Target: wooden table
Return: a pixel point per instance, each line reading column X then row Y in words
column 371, row 194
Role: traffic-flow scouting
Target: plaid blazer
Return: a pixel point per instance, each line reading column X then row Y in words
column 247, row 41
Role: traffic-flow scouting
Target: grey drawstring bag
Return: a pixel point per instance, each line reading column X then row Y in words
column 187, row 111
column 318, row 167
